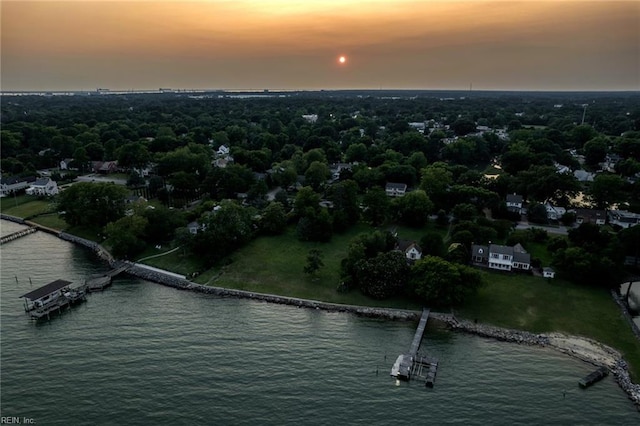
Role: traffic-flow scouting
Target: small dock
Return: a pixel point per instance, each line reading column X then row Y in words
column 18, row 234
column 100, row 282
column 413, row 365
column 594, row 377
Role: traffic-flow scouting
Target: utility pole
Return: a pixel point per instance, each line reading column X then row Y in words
column 584, row 112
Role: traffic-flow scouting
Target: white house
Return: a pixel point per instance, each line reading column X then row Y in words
column 514, row 203
column 43, row 186
column 396, row 189
column 14, row 184
column 554, row 212
column 548, row 272
column 411, row 249
column 311, row 118
column 504, row 258
column 583, row 176
column 195, row 227
column 623, row 218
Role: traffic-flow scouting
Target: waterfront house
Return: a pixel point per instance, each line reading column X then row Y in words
column 514, row 203
column 43, row 186
column 396, row 189
column 503, row 258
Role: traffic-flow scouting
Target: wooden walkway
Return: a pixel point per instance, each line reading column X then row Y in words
column 17, row 234
column 417, row 337
column 99, row 283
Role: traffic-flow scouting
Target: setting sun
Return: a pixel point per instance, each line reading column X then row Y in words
column 342, row 59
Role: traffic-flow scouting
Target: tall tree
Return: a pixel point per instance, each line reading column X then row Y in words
column 92, row 204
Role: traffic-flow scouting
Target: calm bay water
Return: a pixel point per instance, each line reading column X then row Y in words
column 143, row 354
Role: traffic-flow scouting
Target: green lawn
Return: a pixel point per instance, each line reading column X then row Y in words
column 11, row 202
column 537, row 305
column 274, row 265
column 176, row 262
column 51, row 220
column 24, row 206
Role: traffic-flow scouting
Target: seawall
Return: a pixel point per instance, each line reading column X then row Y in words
column 184, row 284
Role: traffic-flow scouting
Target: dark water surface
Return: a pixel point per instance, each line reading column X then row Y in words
column 143, row 354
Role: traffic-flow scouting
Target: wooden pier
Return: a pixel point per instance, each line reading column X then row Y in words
column 18, row 234
column 99, row 283
column 413, row 365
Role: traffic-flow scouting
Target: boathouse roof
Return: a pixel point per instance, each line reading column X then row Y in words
column 46, row 289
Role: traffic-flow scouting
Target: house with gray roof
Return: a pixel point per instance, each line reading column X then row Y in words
column 43, row 186
column 514, row 203
column 503, row 258
column 13, row 184
column 411, row 250
column 395, row 189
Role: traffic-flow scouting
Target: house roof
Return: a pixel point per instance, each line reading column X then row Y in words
column 400, row 186
column 591, row 214
column 547, row 269
column 46, row 289
column 41, row 182
column 518, row 248
column 497, row 248
column 514, row 198
column 16, row 179
column 478, row 250
column 406, row 245
column 521, row 257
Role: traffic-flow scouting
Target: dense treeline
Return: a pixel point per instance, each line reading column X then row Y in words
column 320, row 161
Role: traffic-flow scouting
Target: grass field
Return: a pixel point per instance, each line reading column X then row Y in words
column 275, row 265
column 51, row 220
column 24, row 206
column 534, row 304
column 10, row 202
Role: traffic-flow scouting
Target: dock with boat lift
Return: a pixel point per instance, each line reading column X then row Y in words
column 413, row 365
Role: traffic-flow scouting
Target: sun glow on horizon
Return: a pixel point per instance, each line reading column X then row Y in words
column 342, row 60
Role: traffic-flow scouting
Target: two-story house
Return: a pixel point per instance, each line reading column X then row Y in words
column 597, row 217
column 514, row 203
column 43, row 186
column 504, row 258
column 396, row 189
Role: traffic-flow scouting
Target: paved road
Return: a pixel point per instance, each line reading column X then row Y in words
column 561, row 230
column 100, row 178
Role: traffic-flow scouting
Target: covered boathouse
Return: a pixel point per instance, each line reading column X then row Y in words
column 51, row 297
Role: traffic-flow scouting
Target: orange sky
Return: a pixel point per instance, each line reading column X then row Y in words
column 287, row 44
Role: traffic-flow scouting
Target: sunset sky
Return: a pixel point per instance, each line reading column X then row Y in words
column 287, row 44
